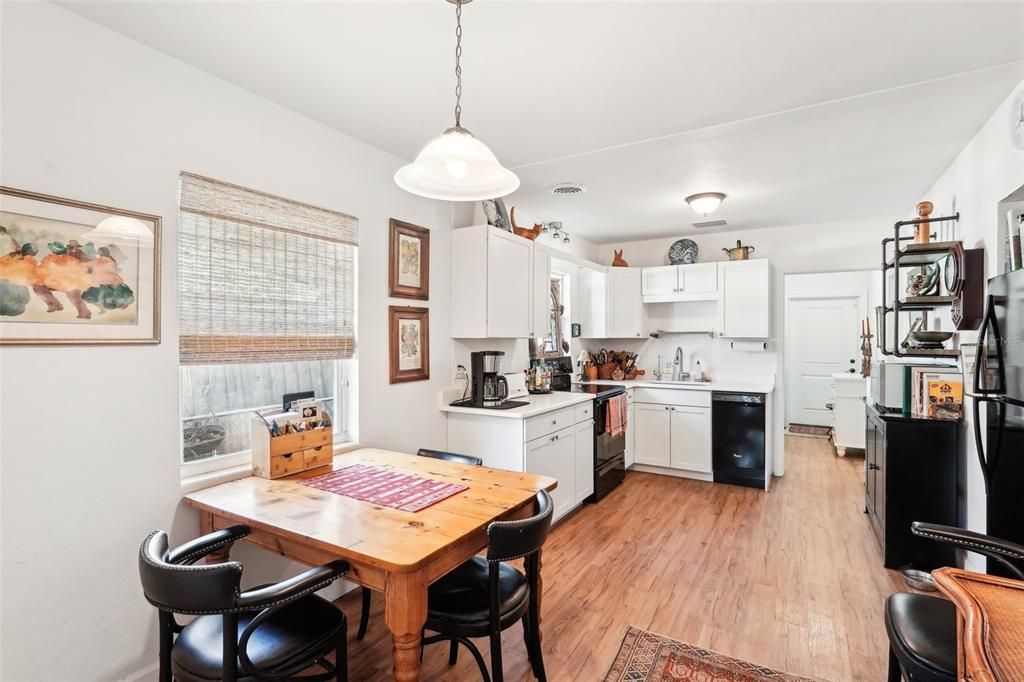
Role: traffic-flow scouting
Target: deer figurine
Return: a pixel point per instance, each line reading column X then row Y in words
column 618, row 261
column 525, row 232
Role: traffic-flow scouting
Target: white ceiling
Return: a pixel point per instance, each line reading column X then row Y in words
column 801, row 112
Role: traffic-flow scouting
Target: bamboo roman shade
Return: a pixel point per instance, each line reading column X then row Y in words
column 262, row 278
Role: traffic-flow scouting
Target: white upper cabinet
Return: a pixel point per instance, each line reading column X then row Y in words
column 699, row 278
column 626, row 316
column 491, row 284
column 745, row 301
column 592, row 304
column 661, row 281
column 672, row 283
column 540, row 294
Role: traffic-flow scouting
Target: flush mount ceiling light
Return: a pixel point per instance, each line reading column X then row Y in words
column 456, row 166
column 705, row 203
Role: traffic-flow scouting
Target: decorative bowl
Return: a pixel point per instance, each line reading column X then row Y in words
column 930, row 337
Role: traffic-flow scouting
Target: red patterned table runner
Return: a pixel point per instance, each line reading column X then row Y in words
column 385, row 487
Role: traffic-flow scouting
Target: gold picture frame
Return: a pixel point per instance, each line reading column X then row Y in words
column 77, row 273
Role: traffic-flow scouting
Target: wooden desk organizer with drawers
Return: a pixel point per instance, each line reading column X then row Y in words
column 287, row 454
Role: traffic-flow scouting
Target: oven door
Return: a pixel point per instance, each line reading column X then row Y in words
column 606, row 446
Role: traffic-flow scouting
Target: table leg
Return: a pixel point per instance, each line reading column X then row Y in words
column 217, row 556
column 405, row 612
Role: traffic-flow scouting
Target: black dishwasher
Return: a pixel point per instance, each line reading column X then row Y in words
column 737, row 438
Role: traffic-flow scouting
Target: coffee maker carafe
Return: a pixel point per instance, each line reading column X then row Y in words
column 489, row 386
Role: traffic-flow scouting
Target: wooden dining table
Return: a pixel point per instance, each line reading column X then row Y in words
column 399, row 553
column 990, row 624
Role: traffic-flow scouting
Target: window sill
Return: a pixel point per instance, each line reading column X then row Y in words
column 191, row 484
column 211, row 478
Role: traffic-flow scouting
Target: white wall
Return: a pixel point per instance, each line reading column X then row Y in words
column 989, row 169
column 90, row 436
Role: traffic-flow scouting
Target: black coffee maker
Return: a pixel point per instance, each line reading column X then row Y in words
column 489, row 386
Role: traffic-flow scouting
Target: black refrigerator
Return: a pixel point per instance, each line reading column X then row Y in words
column 999, row 390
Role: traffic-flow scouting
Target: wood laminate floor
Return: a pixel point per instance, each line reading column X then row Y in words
column 791, row 579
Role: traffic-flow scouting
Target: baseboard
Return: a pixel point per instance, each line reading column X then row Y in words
column 147, row 673
column 678, row 473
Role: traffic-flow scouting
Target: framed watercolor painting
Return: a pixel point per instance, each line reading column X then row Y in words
column 72, row 272
column 409, row 261
column 409, row 343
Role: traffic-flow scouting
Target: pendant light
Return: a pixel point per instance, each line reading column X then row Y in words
column 456, row 166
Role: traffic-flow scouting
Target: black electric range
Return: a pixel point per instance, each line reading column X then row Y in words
column 609, row 450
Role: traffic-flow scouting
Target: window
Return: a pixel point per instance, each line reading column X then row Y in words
column 217, row 404
column 555, row 342
column 266, row 298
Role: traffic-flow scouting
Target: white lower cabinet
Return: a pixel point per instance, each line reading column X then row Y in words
column 653, row 434
column 673, row 436
column 583, row 456
column 558, row 443
column 555, row 456
column 690, row 438
column 630, row 430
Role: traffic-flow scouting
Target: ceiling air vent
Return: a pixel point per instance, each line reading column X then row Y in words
column 710, row 223
column 567, row 189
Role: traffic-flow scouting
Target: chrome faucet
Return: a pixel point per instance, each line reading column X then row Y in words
column 677, row 366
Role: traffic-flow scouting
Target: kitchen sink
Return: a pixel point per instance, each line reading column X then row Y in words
column 670, row 382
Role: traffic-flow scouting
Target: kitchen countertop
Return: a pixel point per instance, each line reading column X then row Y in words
column 752, row 386
column 539, row 404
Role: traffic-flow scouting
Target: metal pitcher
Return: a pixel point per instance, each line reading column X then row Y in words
column 740, row 252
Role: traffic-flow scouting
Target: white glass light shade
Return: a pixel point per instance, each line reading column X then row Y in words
column 457, row 167
column 705, row 203
column 120, row 230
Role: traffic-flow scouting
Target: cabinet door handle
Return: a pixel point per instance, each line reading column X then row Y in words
column 874, row 467
column 554, row 421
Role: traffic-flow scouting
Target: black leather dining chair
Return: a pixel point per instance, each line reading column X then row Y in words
column 451, row 457
column 486, row 595
column 921, row 628
column 364, row 614
column 271, row 632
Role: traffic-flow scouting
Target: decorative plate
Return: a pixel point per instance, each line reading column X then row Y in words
column 683, row 252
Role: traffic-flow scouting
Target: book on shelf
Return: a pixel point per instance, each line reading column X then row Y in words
column 936, row 392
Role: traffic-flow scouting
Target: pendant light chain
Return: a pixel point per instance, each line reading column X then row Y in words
column 458, row 64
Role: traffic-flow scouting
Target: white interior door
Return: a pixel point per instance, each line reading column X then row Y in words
column 823, row 337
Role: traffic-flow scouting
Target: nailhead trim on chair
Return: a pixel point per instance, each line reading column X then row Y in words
column 969, row 543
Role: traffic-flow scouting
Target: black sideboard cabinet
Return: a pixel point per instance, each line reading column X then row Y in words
column 914, row 472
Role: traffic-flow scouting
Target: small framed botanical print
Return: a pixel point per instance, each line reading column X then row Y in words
column 72, row 272
column 409, row 343
column 409, row 256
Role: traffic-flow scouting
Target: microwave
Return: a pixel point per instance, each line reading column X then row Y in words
column 887, row 385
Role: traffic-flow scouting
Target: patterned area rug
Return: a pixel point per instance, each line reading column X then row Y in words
column 646, row 657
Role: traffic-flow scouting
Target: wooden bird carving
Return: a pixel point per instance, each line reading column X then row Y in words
column 526, row 232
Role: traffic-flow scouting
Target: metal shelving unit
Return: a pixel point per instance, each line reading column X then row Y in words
column 912, row 256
